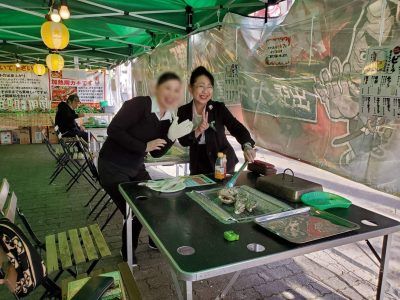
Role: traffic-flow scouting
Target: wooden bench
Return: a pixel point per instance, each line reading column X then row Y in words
column 75, row 246
column 64, row 250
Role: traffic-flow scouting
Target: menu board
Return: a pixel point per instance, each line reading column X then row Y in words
column 89, row 86
column 380, row 86
column 278, row 51
column 22, row 90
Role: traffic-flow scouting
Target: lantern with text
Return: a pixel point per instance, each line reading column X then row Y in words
column 54, row 35
column 39, row 69
column 55, row 62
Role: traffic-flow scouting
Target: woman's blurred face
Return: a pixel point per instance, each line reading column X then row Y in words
column 202, row 90
column 75, row 104
column 169, row 94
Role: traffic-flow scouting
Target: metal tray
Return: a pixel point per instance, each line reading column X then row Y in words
column 305, row 225
column 209, row 200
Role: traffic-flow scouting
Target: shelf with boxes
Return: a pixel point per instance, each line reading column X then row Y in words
column 27, row 135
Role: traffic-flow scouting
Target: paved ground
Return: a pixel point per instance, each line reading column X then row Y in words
column 347, row 272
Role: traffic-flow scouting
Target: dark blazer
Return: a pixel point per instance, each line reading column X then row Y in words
column 216, row 140
column 65, row 118
column 129, row 131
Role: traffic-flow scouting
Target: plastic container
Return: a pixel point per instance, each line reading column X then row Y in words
column 325, row 200
column 220, row 167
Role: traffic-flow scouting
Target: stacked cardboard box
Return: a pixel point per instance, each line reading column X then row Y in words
column 24, row 135
column 28, row 135
column 53, row 139
column 6, row 137
column 36, row 134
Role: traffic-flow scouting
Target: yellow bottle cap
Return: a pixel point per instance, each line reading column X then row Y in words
column 220, row 154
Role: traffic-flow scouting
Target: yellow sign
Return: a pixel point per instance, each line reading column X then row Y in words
column 13, row 68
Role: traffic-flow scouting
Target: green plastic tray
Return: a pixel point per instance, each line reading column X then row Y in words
column 325, row 200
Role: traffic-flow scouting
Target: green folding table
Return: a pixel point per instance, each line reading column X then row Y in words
column 175, row 221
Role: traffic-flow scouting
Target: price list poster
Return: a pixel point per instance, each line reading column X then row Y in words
column 380, row 86
column 22, row 90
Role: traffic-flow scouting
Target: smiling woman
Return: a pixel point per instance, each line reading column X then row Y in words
column 210, row 119
column 142, row 125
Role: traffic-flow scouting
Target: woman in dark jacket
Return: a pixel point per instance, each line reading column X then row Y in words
column 209, row 120
column 142, row 125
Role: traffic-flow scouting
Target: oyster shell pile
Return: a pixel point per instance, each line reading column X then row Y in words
column 237, row 197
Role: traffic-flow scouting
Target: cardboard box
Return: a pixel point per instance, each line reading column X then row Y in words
column 6, row 137
column 24, row 136
column 53, row 139
column 36, row 134
column 15, row 136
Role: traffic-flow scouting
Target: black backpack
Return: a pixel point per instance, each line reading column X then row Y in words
column 23, row 256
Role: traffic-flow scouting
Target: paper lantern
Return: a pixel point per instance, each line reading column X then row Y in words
column 54, row 35
column 39, row 69
column 55, row 62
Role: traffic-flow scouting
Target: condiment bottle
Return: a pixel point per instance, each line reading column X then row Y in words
column 220, row 167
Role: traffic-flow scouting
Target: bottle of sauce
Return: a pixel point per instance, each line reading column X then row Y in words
column 220, row 167
column 225, row 162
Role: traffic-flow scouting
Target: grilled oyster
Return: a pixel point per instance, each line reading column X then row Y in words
column 240, row 206
column 242, row 196
column 227, row 196
column 250, row 205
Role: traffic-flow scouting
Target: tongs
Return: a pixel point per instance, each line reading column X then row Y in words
column 232, row 181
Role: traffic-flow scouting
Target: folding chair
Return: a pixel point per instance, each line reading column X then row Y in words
column 4, row 194
column 77, row 163
column 64, row 250
column 92, row 167
column 8, row 277
column 59, row 157
column 8, row 274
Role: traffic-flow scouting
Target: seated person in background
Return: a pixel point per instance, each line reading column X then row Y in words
column 210, row 119
column 65, row 118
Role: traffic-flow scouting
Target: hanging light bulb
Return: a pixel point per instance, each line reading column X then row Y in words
column 64, row 11
column 54, row 16
column 86, row 69
column 18, row 65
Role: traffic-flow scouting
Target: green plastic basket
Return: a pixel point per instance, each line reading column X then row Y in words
column 325, row 200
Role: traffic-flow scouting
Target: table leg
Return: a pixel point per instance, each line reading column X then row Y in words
column 187, row 288
column 384, row 265
column 129, row 250
column 229, row 285
column 176, row 284
column 186, row 169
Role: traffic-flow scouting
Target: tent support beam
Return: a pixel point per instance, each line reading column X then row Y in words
column 171, row 11
column 22, row 10
column 132, row 14
column 156, row 21
column 189, row 19
column 96, row 15
column 20, row 26
column 21, row 34
column 44, row 51
column 128, row 43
